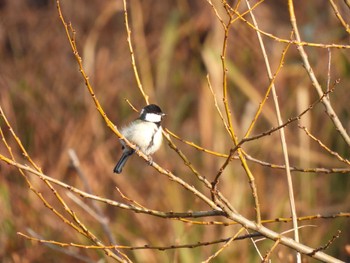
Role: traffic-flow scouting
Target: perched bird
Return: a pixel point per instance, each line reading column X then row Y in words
column 145, row 132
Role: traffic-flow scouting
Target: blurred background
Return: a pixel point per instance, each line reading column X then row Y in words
column 177, row 44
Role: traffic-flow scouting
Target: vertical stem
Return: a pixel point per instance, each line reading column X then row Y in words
column 282, row 137
column 229, row 121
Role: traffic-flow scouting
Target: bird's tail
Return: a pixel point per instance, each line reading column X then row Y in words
column 119, row 167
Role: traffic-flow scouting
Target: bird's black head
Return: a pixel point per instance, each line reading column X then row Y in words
column 152, row 108
column 151, row 113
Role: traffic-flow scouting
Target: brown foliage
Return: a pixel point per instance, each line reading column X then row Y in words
column 176, row 44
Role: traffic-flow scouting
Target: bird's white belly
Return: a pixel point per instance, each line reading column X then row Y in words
column 146, row 135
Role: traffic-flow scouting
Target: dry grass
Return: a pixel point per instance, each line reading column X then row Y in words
column 176, row 44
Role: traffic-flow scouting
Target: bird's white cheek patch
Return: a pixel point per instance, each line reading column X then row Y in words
column 152, row 117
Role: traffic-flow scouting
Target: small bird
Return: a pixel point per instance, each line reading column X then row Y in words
column 145, row 132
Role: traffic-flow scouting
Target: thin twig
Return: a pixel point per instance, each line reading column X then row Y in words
column 268, row 254
column 340, row 18
column 132, row 54
column 217, row 105
column 297, row 42
column 298, row 169
column 267, row 93
column 337, row 155
column 68, row 252
column 329, row 109
column 269, row 221
column 290, row 120
column 326, row 245
column 130, row 104
column 128, row 199
column 144, row 247
column 224, row 246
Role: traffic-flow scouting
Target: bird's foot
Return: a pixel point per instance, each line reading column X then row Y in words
column 150, row 160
